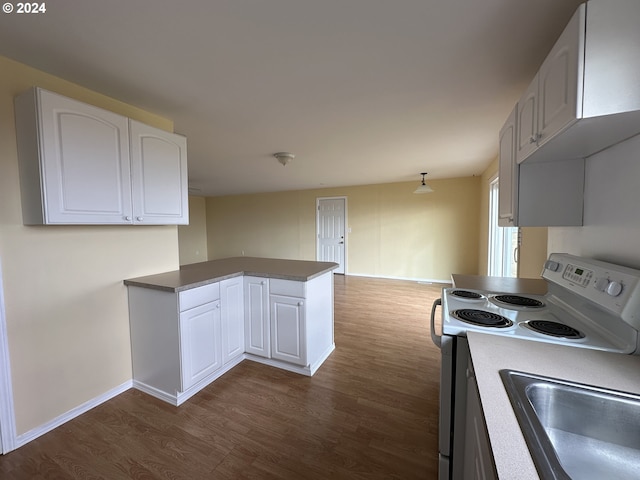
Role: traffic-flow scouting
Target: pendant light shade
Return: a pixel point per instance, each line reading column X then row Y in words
column 423, row 188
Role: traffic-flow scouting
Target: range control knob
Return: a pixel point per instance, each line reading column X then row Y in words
column 601, row 284
column 614, row 289
column 551, row 265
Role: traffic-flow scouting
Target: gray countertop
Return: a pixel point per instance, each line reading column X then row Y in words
column 198, row 274
column 536, row 286
column 491, row 353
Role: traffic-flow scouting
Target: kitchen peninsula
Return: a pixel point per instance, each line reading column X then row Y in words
column 192, row 325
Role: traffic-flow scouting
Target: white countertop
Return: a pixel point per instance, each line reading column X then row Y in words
column 492, row 353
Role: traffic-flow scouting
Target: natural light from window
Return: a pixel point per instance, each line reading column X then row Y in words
column 503, row 241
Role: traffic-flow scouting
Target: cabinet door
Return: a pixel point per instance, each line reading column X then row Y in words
column 257, row 335
column 288, row 329
column 84, row 161
column 158, row 176
column 200, row 343
column 527, row 121
column 508, row 173
column 232, row 302
column 560, row 81
column 478, row 457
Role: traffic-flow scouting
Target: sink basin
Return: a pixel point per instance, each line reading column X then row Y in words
column 576, row 431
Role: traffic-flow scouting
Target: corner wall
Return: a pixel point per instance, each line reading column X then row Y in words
column 66, row 306
column 192, row 238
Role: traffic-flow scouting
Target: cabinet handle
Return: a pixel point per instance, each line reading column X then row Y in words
column 300, row 304
column 535, row 137
column 127, row 218
column 139, row 219
column 263, row 282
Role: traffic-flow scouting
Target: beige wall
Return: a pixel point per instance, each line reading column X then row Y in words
column 533, row 247
column 394, row 233
column 192, row 238
column 66, row 306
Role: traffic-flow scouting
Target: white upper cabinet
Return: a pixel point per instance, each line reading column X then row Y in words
column 527, row 121
column 586, row 95
column 74, row 161
column 539, row 193
column 158, row 175
column 508, row 173
column 80, row 164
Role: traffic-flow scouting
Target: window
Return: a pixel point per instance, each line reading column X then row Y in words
column 503, row 241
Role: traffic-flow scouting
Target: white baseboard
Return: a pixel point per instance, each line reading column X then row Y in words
column 179, row 398
column 175, row 399
column 25, row 438
column 290, row 367
column 315, row 366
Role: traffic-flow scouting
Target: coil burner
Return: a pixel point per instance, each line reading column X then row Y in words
column 467, row 295
column 554, row 329
column 518, row 301
column 482, row 318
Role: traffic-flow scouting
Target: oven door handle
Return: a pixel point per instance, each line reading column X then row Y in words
column 437, row 339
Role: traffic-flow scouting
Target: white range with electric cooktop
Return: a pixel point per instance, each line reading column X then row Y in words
column 589, row 304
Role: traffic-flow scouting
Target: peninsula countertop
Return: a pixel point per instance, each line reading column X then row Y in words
column 203, row 273
column 491, row 353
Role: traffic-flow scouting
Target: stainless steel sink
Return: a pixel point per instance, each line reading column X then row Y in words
column 576, row 431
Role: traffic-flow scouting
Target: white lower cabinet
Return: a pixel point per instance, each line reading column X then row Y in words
column 183, row 341
column 257, row 333
column 478, row 457
column 200, row 341
column 232, row 304
column 301, row 322
column 288, row 329
column 176, row 340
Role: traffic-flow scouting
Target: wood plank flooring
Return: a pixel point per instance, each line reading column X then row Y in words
column 370, row 412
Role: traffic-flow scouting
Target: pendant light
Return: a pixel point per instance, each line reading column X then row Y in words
column 424, row 188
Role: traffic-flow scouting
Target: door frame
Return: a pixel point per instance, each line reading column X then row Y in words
column 7, row 417
column 346, row 228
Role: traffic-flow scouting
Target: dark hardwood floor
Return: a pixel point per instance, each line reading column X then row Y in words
column 370, row 412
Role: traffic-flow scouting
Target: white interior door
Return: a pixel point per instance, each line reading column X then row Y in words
column 331, row 220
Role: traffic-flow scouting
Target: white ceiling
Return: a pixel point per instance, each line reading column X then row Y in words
column 361, row 91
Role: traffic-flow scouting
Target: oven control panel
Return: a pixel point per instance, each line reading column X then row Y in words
column 612, row 287
column 578, row 275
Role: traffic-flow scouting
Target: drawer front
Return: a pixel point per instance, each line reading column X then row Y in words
column 199, row 296
column 289, row 288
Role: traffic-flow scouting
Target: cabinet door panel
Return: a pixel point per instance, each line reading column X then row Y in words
column 159, row 175
column 85, row 162
column 288, row 329
column 560, row 81
column 508, row 173
column 232, row 301
column 527, row 123
column 200, row 343
column 256, row 316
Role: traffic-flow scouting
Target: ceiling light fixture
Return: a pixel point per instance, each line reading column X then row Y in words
column 284, row 157
column 424, row 188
